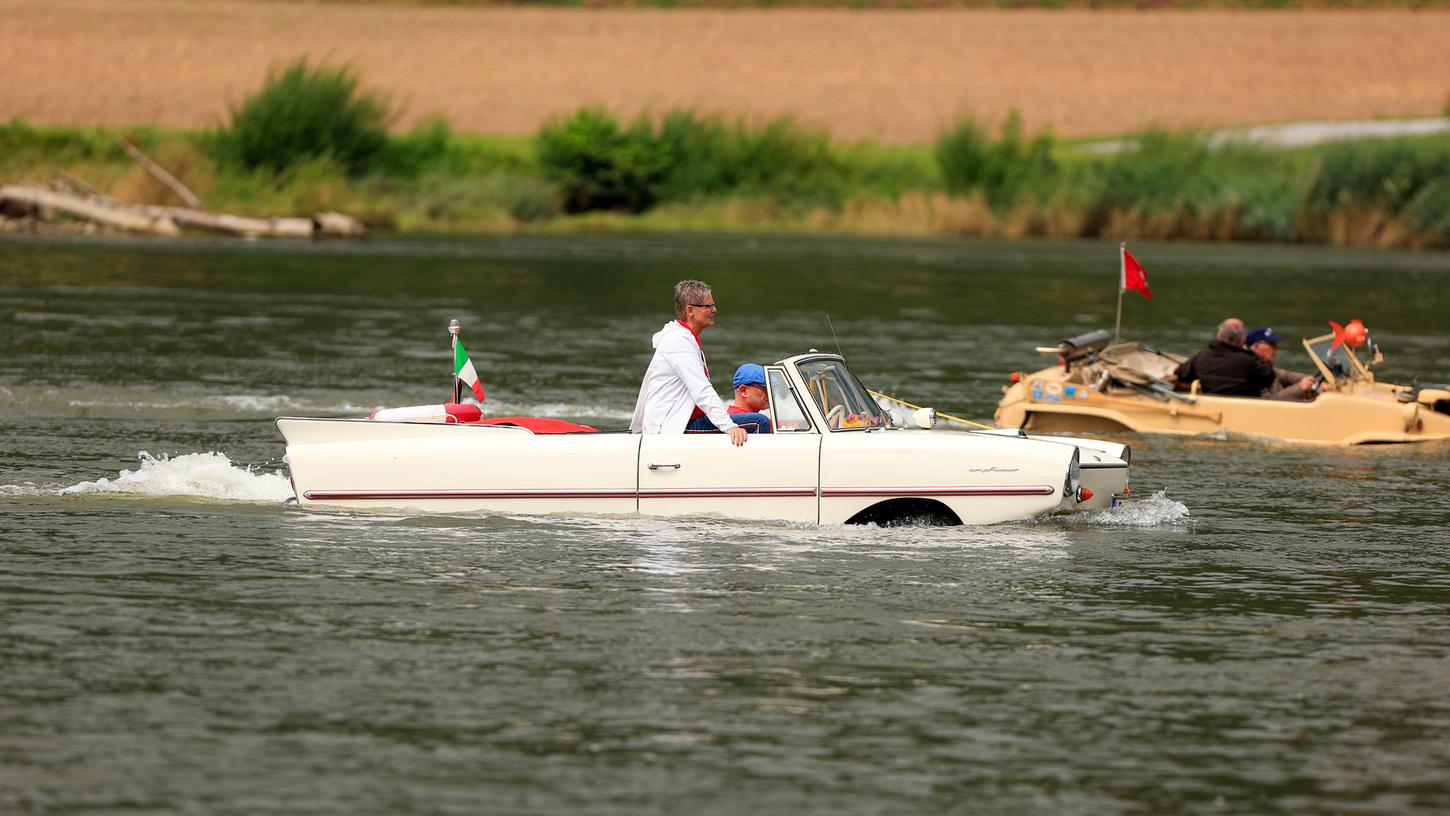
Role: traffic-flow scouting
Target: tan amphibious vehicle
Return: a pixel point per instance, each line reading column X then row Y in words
column 1097, row 387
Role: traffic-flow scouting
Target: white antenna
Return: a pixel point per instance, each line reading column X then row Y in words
column 454, row 327
column 834, row 337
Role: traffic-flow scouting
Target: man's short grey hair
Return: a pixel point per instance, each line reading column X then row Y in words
column 688, row 292
column 1232, row 331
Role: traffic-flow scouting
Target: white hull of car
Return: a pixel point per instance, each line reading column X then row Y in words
column 815, row 473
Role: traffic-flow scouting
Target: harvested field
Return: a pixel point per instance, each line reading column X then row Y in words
column 895, row 76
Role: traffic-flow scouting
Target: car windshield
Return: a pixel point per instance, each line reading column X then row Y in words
column 1337, row 360
column 841, row 397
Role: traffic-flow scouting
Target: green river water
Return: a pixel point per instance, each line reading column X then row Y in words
column 1259, row 630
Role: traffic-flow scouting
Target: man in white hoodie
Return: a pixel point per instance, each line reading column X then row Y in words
column 676, row 386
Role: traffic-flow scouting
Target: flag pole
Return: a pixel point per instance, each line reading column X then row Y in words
column 1122, row 276
column 453, row 329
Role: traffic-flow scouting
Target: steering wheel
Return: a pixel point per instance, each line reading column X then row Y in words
column 835, row 416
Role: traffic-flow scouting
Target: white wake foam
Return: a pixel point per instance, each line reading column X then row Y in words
column 1155, row 511
column 246, row 405
column 208, row 475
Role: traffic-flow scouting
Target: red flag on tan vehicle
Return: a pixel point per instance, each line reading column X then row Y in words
column 1135, row 277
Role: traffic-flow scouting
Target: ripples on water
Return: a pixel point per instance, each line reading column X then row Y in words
column 1261, row 630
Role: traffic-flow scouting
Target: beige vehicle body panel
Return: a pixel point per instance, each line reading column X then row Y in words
column 1351, row 410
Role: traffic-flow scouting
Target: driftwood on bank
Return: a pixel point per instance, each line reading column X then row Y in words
column 75, row 201
column 76, row 198
column 130, row 219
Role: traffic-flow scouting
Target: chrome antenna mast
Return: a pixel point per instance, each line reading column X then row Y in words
column 834, row 337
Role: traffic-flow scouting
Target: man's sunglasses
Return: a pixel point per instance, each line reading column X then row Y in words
column 712, row 307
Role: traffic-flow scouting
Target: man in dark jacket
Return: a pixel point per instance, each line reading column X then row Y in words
column 1226, row 367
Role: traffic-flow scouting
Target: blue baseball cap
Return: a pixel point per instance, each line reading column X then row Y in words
column 1263, row 335
column 749, row 374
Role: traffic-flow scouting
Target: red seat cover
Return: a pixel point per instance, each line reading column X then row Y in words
column 539, row 425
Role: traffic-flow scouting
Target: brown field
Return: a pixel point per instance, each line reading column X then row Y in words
column 889, row 75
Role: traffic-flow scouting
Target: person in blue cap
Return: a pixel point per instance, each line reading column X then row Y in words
column 751, row 399
column 1287, row 385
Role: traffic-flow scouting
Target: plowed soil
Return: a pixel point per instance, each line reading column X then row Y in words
column 895, row 76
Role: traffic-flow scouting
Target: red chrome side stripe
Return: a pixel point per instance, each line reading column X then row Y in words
column 621, row 493
column 684, row 493
column 727, row 492
column 981, row 490
column 340, row 495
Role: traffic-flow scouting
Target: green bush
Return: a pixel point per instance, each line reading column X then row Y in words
column 1002, row 170
column 1157, row 173
column 305, row 112
column 432, row 148
column 1268, row 205
column 703, row 153
column 600, row 166
column 709, row 155
column 423, row 149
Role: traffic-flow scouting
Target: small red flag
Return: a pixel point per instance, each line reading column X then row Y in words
column 1135, row 277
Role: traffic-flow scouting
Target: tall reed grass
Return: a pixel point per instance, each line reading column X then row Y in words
column 1002, row 169
column 1407, row 179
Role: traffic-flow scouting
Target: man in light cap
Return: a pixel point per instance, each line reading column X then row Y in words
column 751, row 399
column 1287, row 385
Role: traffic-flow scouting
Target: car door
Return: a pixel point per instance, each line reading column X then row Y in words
column 771, row 476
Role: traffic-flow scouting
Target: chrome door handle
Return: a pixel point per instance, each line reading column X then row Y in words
column 657, row 466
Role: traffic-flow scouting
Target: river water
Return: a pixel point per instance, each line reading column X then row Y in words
column 1260, row 630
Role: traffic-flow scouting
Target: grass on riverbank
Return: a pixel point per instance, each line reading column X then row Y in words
column 1169, row 185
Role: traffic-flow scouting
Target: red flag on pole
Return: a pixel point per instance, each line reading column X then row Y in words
column 1135, row 277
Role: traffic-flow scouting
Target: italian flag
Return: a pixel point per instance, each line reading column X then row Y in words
column 463, row 369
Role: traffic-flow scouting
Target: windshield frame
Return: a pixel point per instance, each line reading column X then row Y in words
column 1357, row 370
column 849, row 383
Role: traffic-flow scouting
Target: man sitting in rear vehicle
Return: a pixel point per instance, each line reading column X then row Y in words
column 1227, row 368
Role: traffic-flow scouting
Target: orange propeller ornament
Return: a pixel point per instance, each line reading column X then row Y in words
column 1352, row 335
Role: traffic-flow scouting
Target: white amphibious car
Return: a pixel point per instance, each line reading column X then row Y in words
column 836, row 456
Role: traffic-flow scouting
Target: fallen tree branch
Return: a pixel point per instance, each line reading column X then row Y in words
column 160, row 174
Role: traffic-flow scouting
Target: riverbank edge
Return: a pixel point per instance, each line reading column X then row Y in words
column 510, row 193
